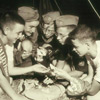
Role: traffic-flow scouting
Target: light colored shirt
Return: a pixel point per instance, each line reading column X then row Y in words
column 96, row 62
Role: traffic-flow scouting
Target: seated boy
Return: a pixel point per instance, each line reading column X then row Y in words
column 84, row 41
column 43, row 86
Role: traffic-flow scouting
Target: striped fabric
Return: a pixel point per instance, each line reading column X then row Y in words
column 3, row 61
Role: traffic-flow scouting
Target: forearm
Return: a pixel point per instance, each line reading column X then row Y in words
column 60, row 64
column 20, row 70
column 4, row 84
column 90, row 71
column 76, row 73
column 90, row 74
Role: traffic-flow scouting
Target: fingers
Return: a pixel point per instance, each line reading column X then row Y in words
column 42, row 69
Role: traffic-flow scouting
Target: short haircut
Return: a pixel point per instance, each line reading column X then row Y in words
column 69, row 27
column 83, row 32
column 26, row 43
column 10, row 18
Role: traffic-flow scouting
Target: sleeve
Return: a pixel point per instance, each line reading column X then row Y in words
column 1, row 67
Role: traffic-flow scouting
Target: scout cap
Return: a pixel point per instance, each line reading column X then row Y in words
column 67, row 20
column 28, row 13
column 50, row 17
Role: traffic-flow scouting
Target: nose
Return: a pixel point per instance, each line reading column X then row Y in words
column 58, row 37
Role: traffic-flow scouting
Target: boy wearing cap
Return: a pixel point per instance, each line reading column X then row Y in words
column 48, row 29
column 31, row 16
column 67, row 58
column 47, row 35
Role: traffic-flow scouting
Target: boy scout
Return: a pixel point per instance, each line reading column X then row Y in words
column 66, row 24
column 48, row 28
column 31, row 18
column 47, row 35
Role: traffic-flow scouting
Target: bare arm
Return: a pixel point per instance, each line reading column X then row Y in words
column 62, row 64
column 13, row 70
column 4, row 84
column 76, row 73
column 59, row 73
column 66, row 67
column 90, row 73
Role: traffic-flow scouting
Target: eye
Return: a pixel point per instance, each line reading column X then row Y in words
column 32, row 26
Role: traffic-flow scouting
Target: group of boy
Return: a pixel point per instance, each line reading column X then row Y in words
column 57, row 30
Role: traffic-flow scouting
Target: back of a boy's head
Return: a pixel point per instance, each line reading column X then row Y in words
column 27, row 45
column 82, row 33
column 10, row 18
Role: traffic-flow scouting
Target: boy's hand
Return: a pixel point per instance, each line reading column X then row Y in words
column 88, row 79
column 39, row 68
column 48, row 81
column 57, row 72
column 75, row 85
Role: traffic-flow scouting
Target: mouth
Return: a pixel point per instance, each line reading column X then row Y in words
column 61, row 42
column 28, row 33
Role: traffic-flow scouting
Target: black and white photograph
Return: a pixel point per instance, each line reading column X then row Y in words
column 49, row 50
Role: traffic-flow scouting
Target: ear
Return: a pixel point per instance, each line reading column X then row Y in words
column 87, row 43
column 6, row 30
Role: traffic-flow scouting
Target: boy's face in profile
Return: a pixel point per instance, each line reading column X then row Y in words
column 30, row 27
column 62, row 34
column 79, row 47
column 14, row 32
column 48, row 30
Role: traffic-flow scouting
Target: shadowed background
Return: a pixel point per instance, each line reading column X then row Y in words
column 80, row 8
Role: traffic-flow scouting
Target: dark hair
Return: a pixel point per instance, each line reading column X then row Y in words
column 83, row 32
column 10, row 18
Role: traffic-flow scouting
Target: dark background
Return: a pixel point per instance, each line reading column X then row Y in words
column 80, row 8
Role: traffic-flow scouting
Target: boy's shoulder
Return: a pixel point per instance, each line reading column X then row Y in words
column 98, row 42
column 98, row 47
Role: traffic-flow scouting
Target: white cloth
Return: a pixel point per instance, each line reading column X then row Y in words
column 96, row 62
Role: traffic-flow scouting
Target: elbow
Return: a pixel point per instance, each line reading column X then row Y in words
column 10, row 71
column 91, row 93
